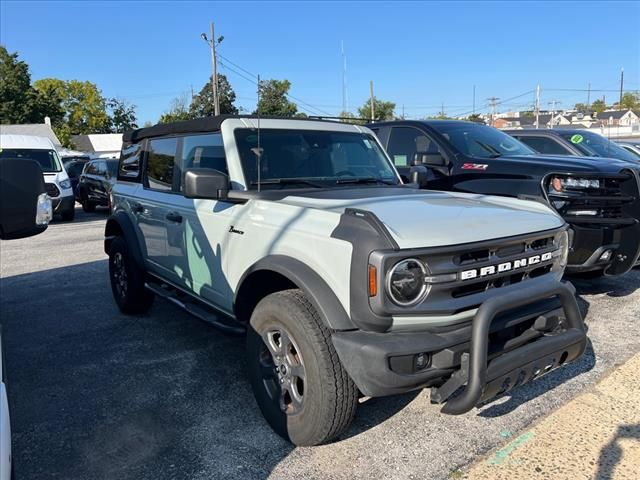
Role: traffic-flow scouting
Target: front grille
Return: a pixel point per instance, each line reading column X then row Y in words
column 604, row 205
column 52, row 189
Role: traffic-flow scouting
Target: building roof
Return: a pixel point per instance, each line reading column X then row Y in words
column 25, row 141
column 33, row 129
column 100, row 142
column 616, row 114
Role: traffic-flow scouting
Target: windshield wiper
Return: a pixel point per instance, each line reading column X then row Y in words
column 355, row 180
column 494, row 152
column 288, row 181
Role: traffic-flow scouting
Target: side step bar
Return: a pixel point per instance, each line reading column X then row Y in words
column 183, row 301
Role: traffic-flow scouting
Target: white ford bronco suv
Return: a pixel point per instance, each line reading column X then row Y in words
column 347, row 282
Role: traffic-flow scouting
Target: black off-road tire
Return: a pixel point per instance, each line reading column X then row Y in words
column 127, row 280
column 329, row 398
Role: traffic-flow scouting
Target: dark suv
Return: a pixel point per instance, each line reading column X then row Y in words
column 573, row 142
column 95, row 183
column 599, row 199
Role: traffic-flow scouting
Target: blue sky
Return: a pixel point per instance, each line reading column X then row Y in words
column 418, row 54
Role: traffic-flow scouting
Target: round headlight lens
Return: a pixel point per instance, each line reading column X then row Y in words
column 562, row 241
column 406, row 282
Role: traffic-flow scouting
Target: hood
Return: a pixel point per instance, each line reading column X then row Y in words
column 559, row 163
column 418, row 218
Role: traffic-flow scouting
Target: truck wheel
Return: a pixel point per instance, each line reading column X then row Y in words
column 127, row 280
column 68, row 215
column 87, row 205
column 298, row 381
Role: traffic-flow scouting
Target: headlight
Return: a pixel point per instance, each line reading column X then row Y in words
column 562, row 241
column 406, row 282
column 65, row 184
column 44, row 210
column 562, row 184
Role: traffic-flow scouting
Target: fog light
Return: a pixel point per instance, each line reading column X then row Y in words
column 422, row 360
column 606, row 255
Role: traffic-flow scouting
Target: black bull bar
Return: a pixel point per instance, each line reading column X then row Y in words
column 485, row 380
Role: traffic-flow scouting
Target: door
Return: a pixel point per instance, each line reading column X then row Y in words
column 204, row 229
column 154, row 208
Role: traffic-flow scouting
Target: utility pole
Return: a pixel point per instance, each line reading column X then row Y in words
column 589, row 95
column 553, row 104
column 621, row 87
column 537, row 106
column 474, row 100
column 493, row 101
column 371, row 100
column 403, row 111
column 214, row 68
column 442, row 110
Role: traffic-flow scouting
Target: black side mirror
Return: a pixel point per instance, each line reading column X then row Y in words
column 431, row 159
column 206, row 183
column 22, row 199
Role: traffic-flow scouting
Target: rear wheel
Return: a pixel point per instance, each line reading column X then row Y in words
column 127, row 280
column 87, row 205
column 298, row 381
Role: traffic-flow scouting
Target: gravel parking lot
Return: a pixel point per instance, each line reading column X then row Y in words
column 95, row 394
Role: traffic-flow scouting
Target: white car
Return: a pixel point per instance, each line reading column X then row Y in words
column 42, row 150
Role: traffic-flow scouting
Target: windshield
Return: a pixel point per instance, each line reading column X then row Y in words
column 312, row 158
column 48, row 159
column 480, row 140
column 594, row 145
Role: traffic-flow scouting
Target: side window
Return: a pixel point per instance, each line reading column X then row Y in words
column 91, row 168
column 102, row 168
column 129, row 168
column 543, row 145
column 203, row 151
column 161, row 153
column 405, row 142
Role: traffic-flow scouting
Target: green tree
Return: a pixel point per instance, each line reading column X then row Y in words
column 83, row 106
column 598, row 106
column 581, row 107
column 123, row 115
column 19, row 101
column 178, row 111
column 273, row 99
column 381, row 110
column 202, row 103
column 475, row 117
column 630, row 101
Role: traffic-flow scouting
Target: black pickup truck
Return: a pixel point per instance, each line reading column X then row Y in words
column 599, row 199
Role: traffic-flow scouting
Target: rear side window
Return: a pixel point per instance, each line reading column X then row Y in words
column 405, row 142
column 543, row 145
column 130, row 162
column 161, row 153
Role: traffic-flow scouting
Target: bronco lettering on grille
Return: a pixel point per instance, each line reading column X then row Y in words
column 505, row 267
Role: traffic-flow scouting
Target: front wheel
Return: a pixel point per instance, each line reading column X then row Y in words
column 127, row 280
column 297, row 378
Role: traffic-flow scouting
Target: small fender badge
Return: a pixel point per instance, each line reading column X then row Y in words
column 474, row 166
column 232, row 229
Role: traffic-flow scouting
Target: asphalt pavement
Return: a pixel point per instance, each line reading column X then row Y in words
column 99, row 395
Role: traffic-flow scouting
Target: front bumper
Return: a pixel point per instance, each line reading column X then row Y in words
column 513, row 338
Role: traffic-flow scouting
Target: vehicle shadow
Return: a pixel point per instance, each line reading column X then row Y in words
column 611, row 286
column 97, row 394
column 611, row 454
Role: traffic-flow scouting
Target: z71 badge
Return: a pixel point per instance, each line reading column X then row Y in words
column 504, row 267
column 474, row 166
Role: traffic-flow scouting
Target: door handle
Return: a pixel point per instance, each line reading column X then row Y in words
column 174, row 217
column 137, row 207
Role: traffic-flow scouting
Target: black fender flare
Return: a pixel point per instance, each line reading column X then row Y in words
column 119, row 224
column 310, row 282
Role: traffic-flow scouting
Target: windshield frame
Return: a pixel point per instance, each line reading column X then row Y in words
column 323, row 182
column 443, row 129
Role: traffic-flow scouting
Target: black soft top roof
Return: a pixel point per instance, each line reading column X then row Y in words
column 198, row 125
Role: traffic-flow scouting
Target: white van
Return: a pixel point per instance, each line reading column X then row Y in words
column 42, row 150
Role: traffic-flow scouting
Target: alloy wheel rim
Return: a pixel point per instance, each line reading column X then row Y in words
column 120, row 274
column 282, row 370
